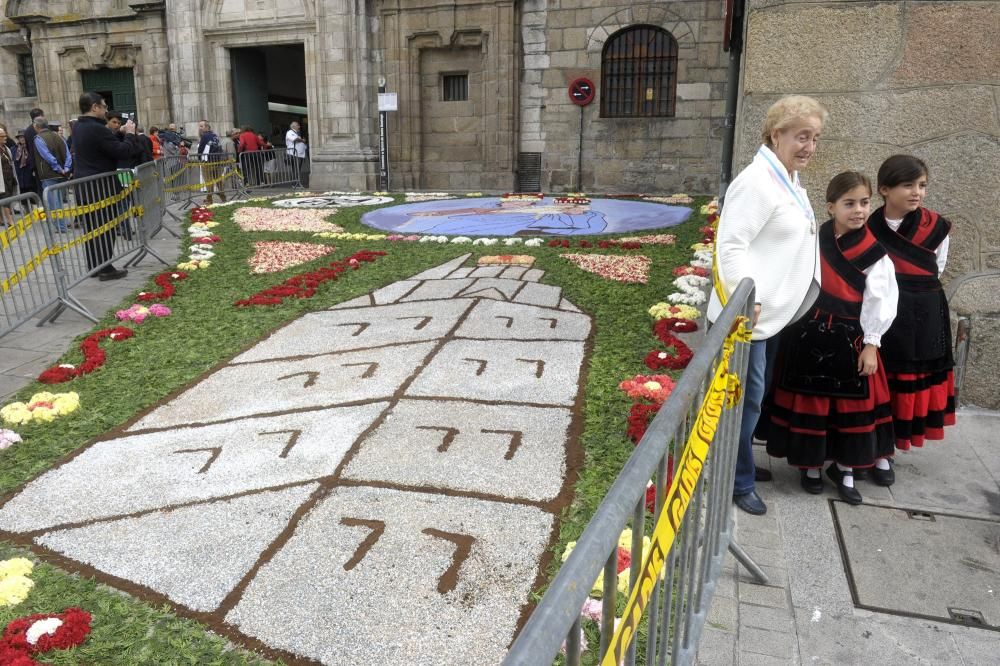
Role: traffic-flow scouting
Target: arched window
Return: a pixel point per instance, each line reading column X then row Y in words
column 639, row 73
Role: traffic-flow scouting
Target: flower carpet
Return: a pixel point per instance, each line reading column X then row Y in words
column 360, row 436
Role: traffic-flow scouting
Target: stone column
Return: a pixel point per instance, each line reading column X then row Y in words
column 343, row 154
column 187, row 89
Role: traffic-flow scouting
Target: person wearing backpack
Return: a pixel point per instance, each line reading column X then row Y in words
column 210, row 150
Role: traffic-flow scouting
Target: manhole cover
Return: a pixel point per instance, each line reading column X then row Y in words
column 922, row 564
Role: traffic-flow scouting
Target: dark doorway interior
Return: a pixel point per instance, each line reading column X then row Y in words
column 115, row 85
column 269, row 88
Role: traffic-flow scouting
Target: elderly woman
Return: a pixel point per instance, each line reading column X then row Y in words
column 767, row 232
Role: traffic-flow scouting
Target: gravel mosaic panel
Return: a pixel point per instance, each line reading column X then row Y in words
column 279, row 386
column 517, row 453
column 193, row 555
column 504, row 370
column 511, row 321
column 375, row 576
column 158, row 469
column 347, row 330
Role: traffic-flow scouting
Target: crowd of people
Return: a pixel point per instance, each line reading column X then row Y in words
column 101, row 141
column 850, row 358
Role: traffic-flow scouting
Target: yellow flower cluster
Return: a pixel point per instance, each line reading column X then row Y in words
column 193, row 265
column 14, row 581
column 711, row 207
column 698, row 247
column 205, row 225
column 679, row 311
column 344, row 235
column 624, row 541
column 43, row 406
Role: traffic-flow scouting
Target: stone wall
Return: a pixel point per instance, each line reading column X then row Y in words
column 911, row 77
column 897, row 77
column 564, row 41
column 451, row 145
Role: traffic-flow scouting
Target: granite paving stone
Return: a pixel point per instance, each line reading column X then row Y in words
column 393, row 292
column 433, row 290
column 565, row 304
column 512, row 321
column 157, row 469
column 13, row 359
column 441, row 271
column 194, row 555
column 533, row 275
column 468, row 446
column 486, row 271
column 540, row 294
column 317, row 381
column 513, row 272
column 347, row 330
column 460, row 272
column 763, row 641
column 440, row 580
column 506, row 287
column 359, row 302
column 504, row 370
column 762, row 595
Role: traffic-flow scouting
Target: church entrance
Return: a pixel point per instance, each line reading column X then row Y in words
column 116, row 86
column 269, row 89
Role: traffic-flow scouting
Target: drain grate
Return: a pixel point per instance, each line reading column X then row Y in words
column 919, row 563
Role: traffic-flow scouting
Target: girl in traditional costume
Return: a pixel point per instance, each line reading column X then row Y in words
column 917, row 349
column 831, row 400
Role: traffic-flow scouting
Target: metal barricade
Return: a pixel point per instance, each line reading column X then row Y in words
column 149, row 200
column 265, row 169
column 96, row 221
column 677, row 601
column 31, row 280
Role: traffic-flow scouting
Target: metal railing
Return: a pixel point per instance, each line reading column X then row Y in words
column 85, row 225
column 678, row 602
column 31, row 280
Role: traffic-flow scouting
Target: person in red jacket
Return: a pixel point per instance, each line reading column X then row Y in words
column 249, row 159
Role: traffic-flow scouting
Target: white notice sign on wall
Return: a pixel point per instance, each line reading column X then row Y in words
column 387, row 102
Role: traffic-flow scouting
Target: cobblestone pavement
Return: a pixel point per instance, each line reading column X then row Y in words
column 807, row 613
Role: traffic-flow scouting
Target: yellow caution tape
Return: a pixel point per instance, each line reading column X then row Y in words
column 19, row 228
column 724, row 393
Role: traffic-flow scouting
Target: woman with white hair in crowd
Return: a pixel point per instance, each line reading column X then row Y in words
column 767, row 232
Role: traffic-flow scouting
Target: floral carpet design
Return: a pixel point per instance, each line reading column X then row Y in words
column 410, row 446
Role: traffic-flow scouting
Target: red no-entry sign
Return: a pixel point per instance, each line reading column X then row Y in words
column 581, row 91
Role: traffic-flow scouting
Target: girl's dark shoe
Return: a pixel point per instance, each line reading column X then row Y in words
column 811, row 485
column 883, row 477
column 849, row 495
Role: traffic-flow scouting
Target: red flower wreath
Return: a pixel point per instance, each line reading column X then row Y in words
column 304, row 285
column 639, row 418
column 165, row 281
column 206, row 239
column 659, row 359
column 93, row 356
column 556, row 242
column 663, row 327
column 73, row 630
column 200, row 214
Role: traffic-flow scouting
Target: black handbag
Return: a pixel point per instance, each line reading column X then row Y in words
column 822, row 359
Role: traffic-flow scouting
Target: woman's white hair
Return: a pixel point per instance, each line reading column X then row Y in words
column 788, row 110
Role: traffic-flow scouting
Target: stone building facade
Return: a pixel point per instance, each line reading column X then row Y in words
column 898, row 77
column 517, row 59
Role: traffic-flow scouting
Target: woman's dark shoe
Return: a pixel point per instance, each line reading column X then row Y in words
column 813, row 486
column 760, row 474
column 848, row 494
column 884, row 477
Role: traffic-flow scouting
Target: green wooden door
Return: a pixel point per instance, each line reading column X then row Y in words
column 116, row 85
column 250, row 89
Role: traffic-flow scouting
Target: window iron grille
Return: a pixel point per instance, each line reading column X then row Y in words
column 454, row 87
column 639, row 73
column 26, row 75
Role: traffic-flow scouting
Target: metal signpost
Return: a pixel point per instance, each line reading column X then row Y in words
column 386, row 102
column 581, row 93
